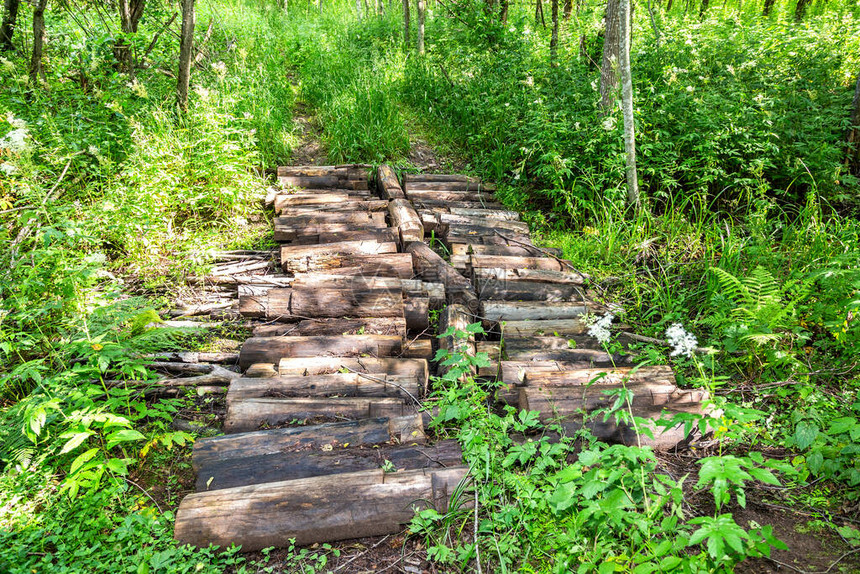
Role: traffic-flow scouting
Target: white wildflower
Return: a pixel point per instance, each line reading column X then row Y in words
column 507, row 105
column 15, row 141
column 8, row 168
column 220, row 68
column 594, row 84
column 609, row 123
column 683, row 343
column 7, row 65
column 530, row 81
column 527, row 31
column 599, row 327
column 138, row 89
column 16, row 123
column 576, row 125
column 93, row 150
column 690, row 89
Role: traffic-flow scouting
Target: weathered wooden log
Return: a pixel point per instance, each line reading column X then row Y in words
column 336, row 326
column 510, row 227
column 550, row 380
column 540, row 328
column 310, row 510
column 243, row 267
column 493, row 349
column 416, row 177
column 313, row 181
column 431, row 267
column 202, row 309
column 501, row 214
column 285, row 200
column 273, row 349
column 496, row 311
column 409, row 287
column 455, row 317
column 528, row 285
column 371, row 205
column 196, row 357
column 613, row 431
column 293, row 228
column 508, row 262
column 335, row 384
column 430, row 203
column 418, row 349
column 254, row 414
column 296, row 303
column 558, row 402
column 406, row 219
column 307, row 258
column 292, row 465
column 363, row 432
column 551, row 342
column 180, row 368
column 356, row 171
column 449, row 186
column 387, row 184
column 349, row 233
column 591, row 356
column 511, row 373
column 311, row 366
column 433, row 197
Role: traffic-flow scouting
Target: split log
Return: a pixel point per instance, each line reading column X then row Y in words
column 557, row 327
column 409, row 287
column 180, row 368
column 292, row 465
column 551, row 380
column 273, row 349
column 448, row 185
column 508, row 262
column 496, row 311
column 500, row 214
column 431, row 267
column 456, row 317
column 418, row 349
column 356, row 172
column 494, row 353
column 416, row 177
column 253, row 414
column 430, row 203
column 363, row 432
column 590, row 356
column 325, row 365
column 314, row 181
column 387, row 184
column 559, row 402
column 528, row 285
column 296, row 303
column 336, row 326
column 294, row 228
column 433, row 197
column 202, row 309
column 350, row 233
column 307, row 258
column 335, row 384
column 513, row 372
column 416, row 310
column 371, row 205
column 405, row 218
column 262, row 370
column 514, row 227
column 311, row 510
column 285, row 200
column 196, row 357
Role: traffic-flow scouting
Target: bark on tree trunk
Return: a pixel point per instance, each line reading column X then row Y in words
column 504, row 11
column 654, row 26
column 553, row 42
column 854, row 132
column 539, row 19
column 568, row 9
column 420, row 39
column 800, row 10
column 185, row 54
column 703, row 8
column 7, row 30
column 609, row 67
column 38, row 42
column 768, row 6
column 406, row 23
column 627, row 108
column 669, row 7
column 130, row 13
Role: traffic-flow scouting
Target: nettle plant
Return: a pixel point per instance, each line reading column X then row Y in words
column 539, row 500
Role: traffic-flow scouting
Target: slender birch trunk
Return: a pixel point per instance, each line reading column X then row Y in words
column 633, row 199
column 421, row 15
column 186, row 42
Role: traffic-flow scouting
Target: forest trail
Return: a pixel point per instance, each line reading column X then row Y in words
column 328, row 433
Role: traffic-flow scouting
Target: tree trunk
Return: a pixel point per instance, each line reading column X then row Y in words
column 7, row 30
column 36, row 70
column 420, row 39
column 800, row 10
column 654, row 26
column 406, row 23
column 568, row 9
column 627, row 109
column 854, row 132
column 609, row 68
column 553, row 42
column 704, row 8
column 669, row 6
column 357, row 8
column 130, row 13
column 186, row 42
column 768, row 6
column 504, row 11
column 539, row 19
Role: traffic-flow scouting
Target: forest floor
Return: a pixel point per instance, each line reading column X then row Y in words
column 813, row 546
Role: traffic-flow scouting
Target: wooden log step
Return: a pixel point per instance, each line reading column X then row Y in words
column 285, row 200
column 509, row 392
column 455, row 317
column 493, row 351
column 462, row 233
column 255, row 414
column 513, row 250
column 291, row 228
column 430, row 203
column 559, row 402
column 273, row 349
column 365, row 255
column 298, row 302
column 261, row 370
column 292, row 465
column 311, row 510
column 410, row 287
column 611, row 431
column 496, row 311
column 511, row 373
column 431, row 267
column 346, row 206
column 322, row 182
column 416, row 310
column 507, row 262
column 496, row 214
column 364, row 432
column 387, row 184
column 434, row 197
column 325, row 365
column 336, row 326
column 540, row 328
column 528, row 285
column 447, row 186
column 415, row 177
column 515, row 227
column 418, row 349
column 592, row 357
column 349, row 233
column 342, row 172
column 335, row 384
column 406, row 219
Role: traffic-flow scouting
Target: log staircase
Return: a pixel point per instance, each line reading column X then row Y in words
column 325, row 436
